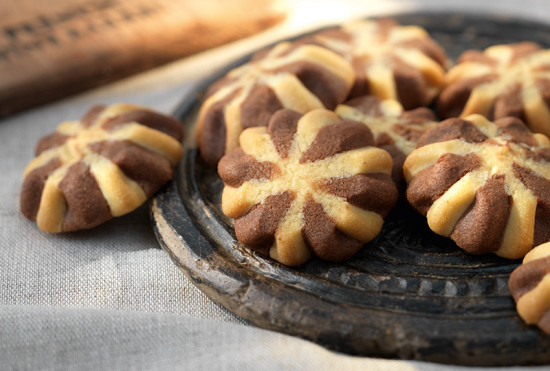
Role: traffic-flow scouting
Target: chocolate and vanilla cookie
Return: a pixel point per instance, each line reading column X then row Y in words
column 395, row 130
column 391, row 61
column 103, row 166
column 503, row 80
column 301, row 77
column 306, row 185
column 529, row 284
column 484, row 184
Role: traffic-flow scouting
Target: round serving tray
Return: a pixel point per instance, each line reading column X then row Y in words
column 407, row 294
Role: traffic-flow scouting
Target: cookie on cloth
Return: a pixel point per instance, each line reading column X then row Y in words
column 300, row 77
column 103, row 166
column 395, row 130
column 503, row 80
column 306, row 185
column 391, row 61
column 484, row 184
column 529, row 284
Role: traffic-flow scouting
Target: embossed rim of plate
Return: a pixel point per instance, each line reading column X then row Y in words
column 200, row 241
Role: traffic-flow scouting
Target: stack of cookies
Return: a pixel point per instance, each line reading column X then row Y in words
column 317, row 139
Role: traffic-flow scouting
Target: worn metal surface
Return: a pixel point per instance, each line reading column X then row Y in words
column 408, row 294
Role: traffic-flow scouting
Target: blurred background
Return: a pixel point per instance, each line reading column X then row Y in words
column 53, row 49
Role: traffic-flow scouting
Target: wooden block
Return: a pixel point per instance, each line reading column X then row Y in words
column 51, row 49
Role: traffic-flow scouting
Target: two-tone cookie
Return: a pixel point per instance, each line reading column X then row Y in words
column 484, row 184
column 306, row 185
column 503, row 80
column 529, row 284
column 395, row 130
column 301, row 77
column 103, row 166
column 391, row 61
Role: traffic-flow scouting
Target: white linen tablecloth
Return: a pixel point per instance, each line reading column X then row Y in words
column 109, row 297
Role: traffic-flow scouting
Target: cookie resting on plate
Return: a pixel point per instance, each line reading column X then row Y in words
column 503, row 80
column 306, row 185
column 103, row 166
column 530, row 286
column 287, row 75
column 395, row 130
column 391, row 61
column 483, row 184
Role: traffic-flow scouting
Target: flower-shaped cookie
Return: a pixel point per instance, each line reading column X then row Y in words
column 391, row 61
column 105, row 165
column 503, row 80
column 298, row 77
column 395, row 130
column 530, row 286
column 311, row 184
column 483, row 184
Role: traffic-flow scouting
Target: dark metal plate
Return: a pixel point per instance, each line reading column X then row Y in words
column 408, row 294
